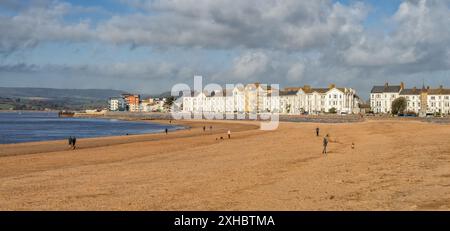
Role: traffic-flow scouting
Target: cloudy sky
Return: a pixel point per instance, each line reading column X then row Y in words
column 149, row 45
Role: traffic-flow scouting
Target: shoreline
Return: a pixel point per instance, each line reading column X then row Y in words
column 177, row 127
column 36, row 147
column 27, row 148
column 395, row 165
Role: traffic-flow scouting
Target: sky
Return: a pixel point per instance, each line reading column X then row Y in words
column 147, row 46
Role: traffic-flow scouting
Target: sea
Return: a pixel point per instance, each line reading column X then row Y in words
column 19, row 127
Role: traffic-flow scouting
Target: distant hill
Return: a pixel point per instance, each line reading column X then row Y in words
column 51, row 93
column 164, row 95
column 56, row 99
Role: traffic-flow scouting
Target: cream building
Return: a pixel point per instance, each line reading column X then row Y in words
column 257, row 98
column 318, row 100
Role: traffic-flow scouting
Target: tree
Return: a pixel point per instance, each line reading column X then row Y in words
column 398, row 106
column 332, row 110
column 288, row 108
column 169, row 101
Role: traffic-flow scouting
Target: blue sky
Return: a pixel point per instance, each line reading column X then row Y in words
column 148, row 46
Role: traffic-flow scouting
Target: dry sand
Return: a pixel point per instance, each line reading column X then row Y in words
column 396, row 165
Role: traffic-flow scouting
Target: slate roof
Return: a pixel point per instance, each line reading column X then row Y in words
column 287, row 93
column 321, row 90
column 385, row 89
column 430, row 91
column 308, row 90
column 413, row 91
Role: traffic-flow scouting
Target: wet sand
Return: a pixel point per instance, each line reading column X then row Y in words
column 396, row 165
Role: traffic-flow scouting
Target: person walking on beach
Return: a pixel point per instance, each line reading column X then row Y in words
column 204, row 128
column 229, row 134
column 74, row 141
column 210, row 127
column 70, row 141
column 317, row 131
column 325, row 143
column 167, row 131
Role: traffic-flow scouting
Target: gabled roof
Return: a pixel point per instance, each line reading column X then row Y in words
column 386, row 89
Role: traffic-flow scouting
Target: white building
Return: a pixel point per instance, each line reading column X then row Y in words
column 381, row 97
column 421, row 101
column 257, row 98
column 116, row 104
column 412, row 97
column 152, row 105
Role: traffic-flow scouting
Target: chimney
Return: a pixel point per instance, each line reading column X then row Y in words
column 402, row 85
column 386, row 84
column 331, row 86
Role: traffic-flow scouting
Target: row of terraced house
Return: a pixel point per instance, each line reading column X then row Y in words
column 258, row 98
column 422, row 101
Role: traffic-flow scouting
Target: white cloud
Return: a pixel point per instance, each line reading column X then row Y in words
column 255, row 24
column 250, row 64
column 274, row 39
column 420, row 39
column 40, row 24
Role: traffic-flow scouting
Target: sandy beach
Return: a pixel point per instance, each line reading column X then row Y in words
column 396, row 165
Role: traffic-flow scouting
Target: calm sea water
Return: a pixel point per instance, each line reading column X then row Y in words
column 17, row 127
